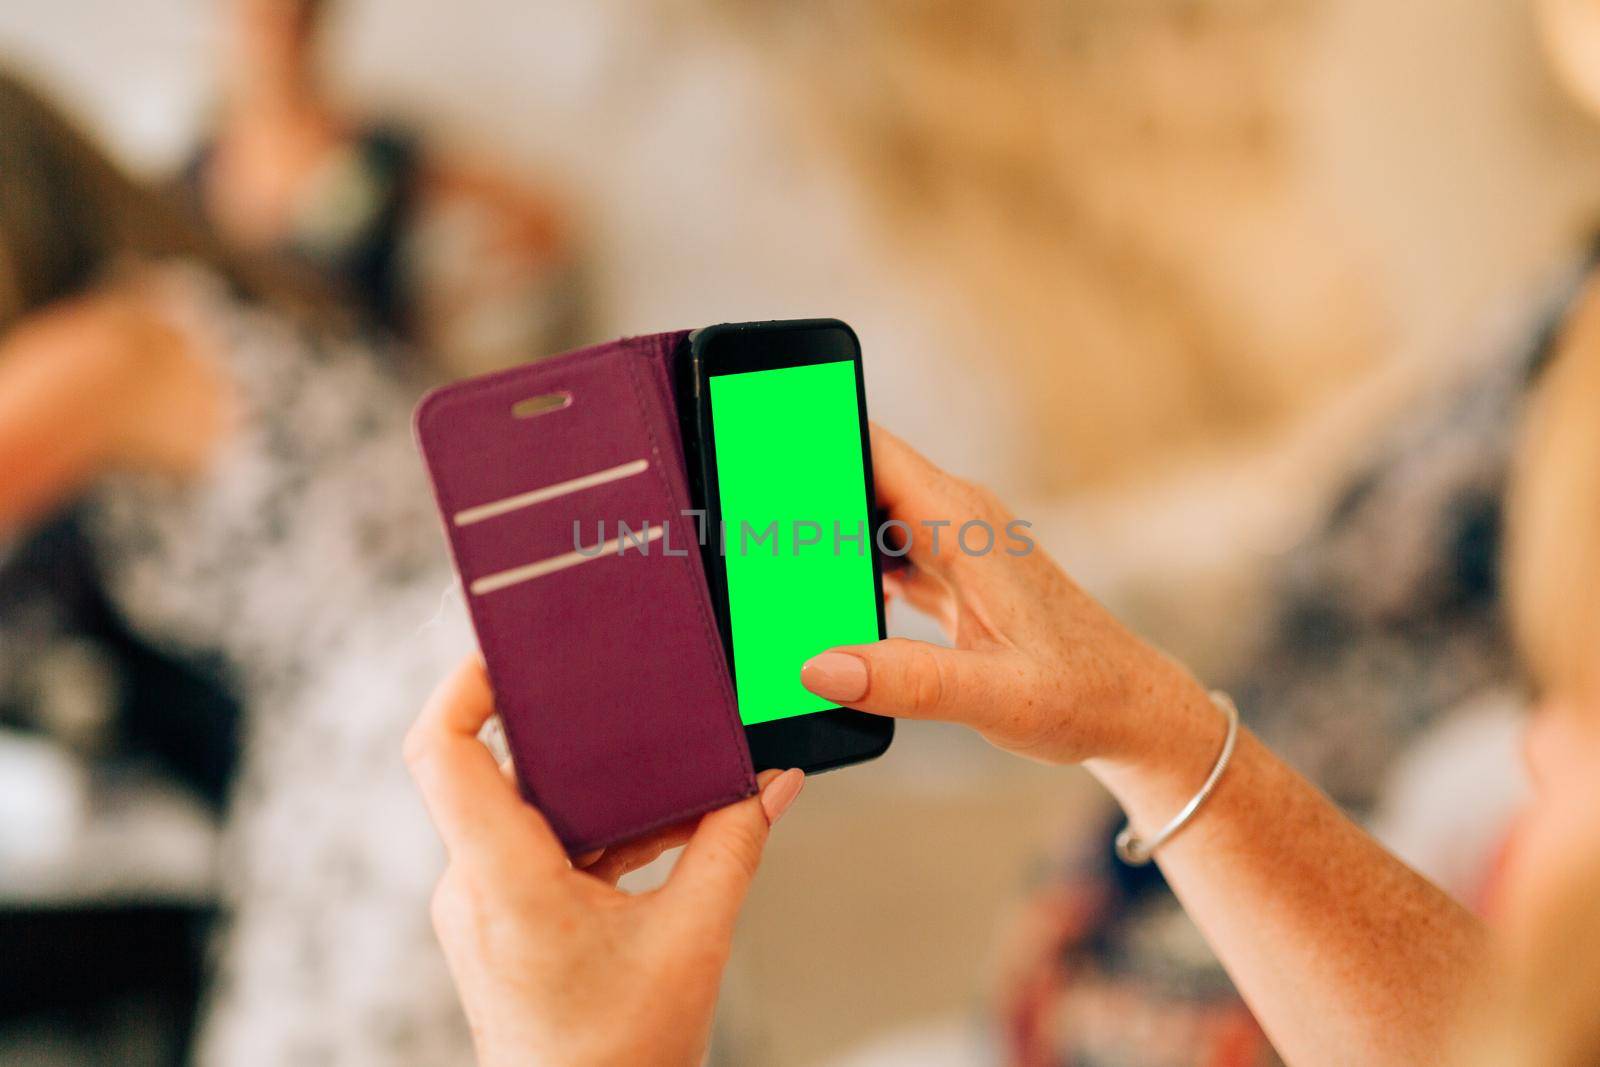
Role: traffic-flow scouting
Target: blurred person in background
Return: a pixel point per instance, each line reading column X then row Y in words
column 1344, row 953
column 239, row 469
column 116, row 753
column 466, row 263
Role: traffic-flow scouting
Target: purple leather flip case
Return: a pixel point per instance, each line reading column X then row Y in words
column 607, row 668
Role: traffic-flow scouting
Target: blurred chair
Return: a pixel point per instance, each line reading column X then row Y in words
column 115, row 762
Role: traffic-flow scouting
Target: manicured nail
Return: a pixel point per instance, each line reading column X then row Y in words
column 835, row 676
column 780, row 793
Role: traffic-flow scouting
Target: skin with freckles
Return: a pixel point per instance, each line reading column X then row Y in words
column 1028, row 642
column 1343, row 953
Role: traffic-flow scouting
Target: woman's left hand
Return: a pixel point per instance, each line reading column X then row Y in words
column 554, row 964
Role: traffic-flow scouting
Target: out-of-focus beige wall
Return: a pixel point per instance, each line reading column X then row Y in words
column 1457, row 165
column 1177, row 222
column 1118, row 190
column 1081, row 239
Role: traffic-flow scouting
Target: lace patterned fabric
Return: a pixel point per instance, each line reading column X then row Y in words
column 309, row 557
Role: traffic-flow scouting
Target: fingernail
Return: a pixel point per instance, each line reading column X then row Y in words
column 780, row 793
column 835, row 676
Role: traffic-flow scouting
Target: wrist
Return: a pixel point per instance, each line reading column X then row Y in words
column 1172, row 736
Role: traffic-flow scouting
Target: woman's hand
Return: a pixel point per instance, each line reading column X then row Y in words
column 1343, row 953
column 553, row 963
column 1038, row 666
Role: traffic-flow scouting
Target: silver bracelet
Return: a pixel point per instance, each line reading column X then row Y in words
column 1136, row 853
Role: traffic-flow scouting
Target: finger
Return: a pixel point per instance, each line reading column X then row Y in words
column 508, row 771
column 711, row 880
column 929, row 594
column 902, row 476
column 614, row 862
column 624, row 859
column 478, row 813
column 933, row 504
column 917, row 680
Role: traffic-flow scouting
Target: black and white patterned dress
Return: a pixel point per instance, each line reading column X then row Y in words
column 309, row 557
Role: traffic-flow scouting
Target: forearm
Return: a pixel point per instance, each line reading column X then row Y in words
column 1344, row 954
column 53, row 431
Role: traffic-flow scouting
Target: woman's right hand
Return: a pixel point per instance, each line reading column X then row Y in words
column 1038, row 667
column 1343, row 953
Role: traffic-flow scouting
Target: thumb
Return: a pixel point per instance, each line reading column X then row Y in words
column 716, row 868
column 916, row 680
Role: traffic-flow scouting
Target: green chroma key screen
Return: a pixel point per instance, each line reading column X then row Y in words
column 788, row 456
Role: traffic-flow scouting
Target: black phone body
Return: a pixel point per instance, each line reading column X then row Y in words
column 816, row 738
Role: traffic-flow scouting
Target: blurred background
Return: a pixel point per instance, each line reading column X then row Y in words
column 1233, row 299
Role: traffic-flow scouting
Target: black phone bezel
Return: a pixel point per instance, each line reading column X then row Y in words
column 820, row 740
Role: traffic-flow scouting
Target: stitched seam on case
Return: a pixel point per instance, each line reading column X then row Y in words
column 707, row 632
column 490, row 641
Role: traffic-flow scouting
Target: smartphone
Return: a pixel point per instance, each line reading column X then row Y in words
column 780, row 460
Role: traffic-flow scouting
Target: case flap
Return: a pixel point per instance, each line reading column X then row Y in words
column 608, row 672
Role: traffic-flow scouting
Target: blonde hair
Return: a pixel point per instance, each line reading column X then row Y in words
column 1553, row 561
column 1548, row 1014
column 69, row 213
